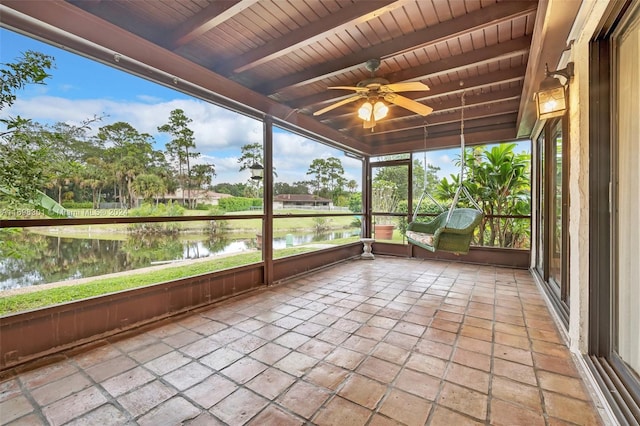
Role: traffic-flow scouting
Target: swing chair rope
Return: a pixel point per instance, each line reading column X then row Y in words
column 461, row 187
column 424, row 181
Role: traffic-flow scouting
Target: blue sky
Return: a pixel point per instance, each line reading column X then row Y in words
column 80, row 88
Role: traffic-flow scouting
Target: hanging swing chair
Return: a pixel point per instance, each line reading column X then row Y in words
column 452, row 230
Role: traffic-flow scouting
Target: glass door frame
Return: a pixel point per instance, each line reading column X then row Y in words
column 382, row 163
column 546, row 166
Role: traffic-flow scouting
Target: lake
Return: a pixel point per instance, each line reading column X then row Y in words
column 46, row 259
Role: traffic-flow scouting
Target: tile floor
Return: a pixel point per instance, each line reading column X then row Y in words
column 385, row 342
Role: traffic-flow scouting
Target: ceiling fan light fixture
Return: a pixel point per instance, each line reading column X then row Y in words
column 364, row 112
column 380, row 110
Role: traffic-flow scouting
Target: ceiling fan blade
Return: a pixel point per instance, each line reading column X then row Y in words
column 409, row 104
column 410, row 86
column 338, row 104
column 356, row 88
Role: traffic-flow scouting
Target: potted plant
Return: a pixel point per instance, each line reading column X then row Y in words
column 384, row 200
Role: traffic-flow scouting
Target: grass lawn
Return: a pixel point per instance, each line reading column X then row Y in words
column 101, row 285
column 280, row 226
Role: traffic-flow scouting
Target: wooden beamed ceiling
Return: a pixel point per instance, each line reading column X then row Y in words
column 280, row 56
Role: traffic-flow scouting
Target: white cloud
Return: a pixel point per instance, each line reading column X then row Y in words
column 219, row 133
column 213, row 127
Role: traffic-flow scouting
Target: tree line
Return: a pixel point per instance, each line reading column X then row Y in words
column 121, row 164
column 77, row 164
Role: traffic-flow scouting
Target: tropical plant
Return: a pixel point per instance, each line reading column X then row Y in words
column 498, row 179
column 149, row 187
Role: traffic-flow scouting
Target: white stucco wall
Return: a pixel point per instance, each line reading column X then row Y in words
column 589, row 17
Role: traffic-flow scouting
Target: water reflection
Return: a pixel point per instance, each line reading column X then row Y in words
column 45, row 259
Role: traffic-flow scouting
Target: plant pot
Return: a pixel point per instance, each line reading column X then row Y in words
column 383, row 232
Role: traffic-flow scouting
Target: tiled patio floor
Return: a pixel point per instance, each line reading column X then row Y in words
column 385, row 342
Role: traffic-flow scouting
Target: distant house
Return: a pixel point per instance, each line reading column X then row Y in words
column 301, row 201
column 198, row 196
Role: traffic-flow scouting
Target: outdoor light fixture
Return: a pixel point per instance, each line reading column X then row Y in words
column 551, row 98
column 257, row 171
column 371, row 113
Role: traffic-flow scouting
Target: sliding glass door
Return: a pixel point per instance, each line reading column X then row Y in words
column 627, row 196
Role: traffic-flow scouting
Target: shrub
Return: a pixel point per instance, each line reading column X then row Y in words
column 150, row 210
column 238, row 204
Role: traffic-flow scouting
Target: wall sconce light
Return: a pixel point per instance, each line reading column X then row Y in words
column 257, row 171
column 551, row 98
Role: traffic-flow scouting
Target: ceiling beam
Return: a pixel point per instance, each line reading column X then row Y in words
column 434, row 130
column 64, row 24
column 478, row 82
column 509, row 49
column 210, row 17
column 477, row 20
column 397, row 114
column 486, row 111
column 444, row 142
column 357, row 13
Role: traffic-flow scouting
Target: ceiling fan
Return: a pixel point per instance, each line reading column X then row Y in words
column 375, row 90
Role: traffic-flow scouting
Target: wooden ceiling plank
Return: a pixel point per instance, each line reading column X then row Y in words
column 474, row 21
column 210, row 17
column 473, row 103
column 517, row 47
column 95, row 38
column 495, row 109
column 453, row 129
column 357, row 13
column 451, row 88
column 445, row 142
column 475, row 58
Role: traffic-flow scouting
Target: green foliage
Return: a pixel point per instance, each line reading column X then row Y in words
column 295, row 188
column 499, row 180
column 158, row 210
column 178, row 148
column 321, row 224
column 327, row 177
column 355, row 202
column 395, row 176
column 202, row 175
column 29, row 69
column 385, row 199
column 216, row 210
column 148, row 186
column 235, row 189
column 23, row 166
column 250, row 155
column 148, row 209
column 23, row 155
column 238, row 204
column 77, row 205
